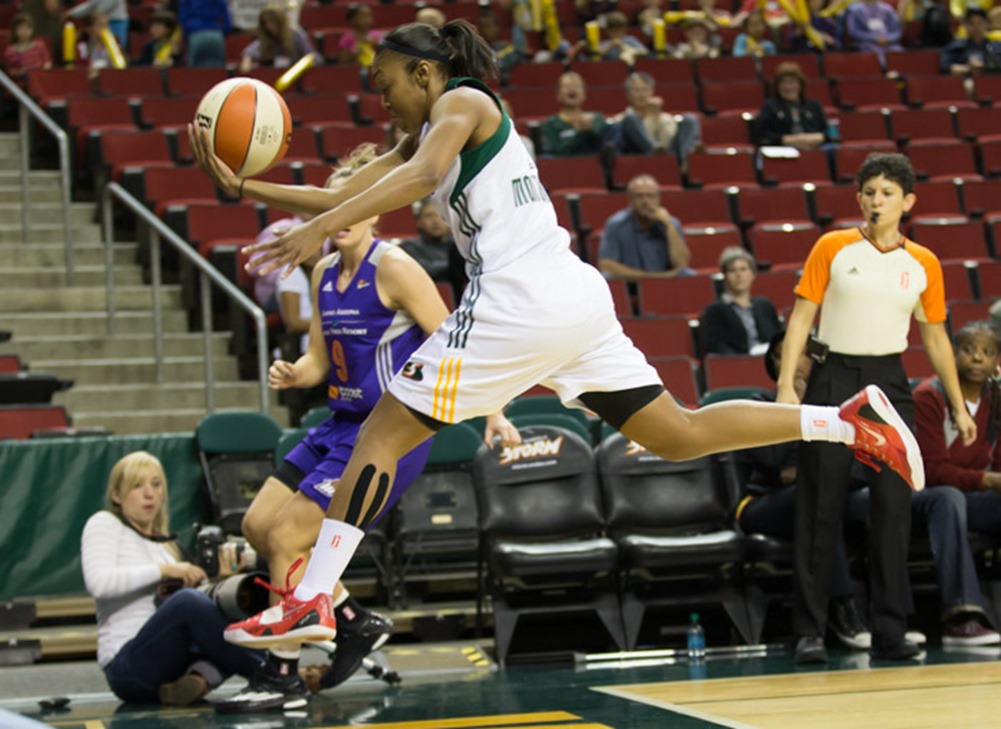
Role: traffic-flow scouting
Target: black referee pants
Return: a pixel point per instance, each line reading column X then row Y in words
column 823, row 479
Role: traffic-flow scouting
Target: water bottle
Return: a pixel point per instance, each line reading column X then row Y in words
column 833, row 131
column 696, row 639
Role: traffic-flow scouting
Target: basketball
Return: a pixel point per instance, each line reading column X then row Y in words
column 249, row 126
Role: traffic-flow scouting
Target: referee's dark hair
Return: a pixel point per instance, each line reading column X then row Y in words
column 894, row 167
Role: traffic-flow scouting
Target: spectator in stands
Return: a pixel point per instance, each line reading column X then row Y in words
column 873, row 26
column 47, row 15
column 294, row 301
column 430, row 16
column 507, row 53
column 964, row 487
column 994, row 23
column 788, row 117
column 856, row 356
column 117, row 13
column 619, row 45
column 91, row 50
column 277, row 44
column 975, row 54
column 358, row 46
column 650, row 11
column 435, row 249
column 525, row 139
column 573, row 131
column 171, row 651
column 25, row 51
column 265, row 285
column 204, row 23
column 738, row 323
column 163, row 47
column 715, row 16
column 645, row 128
column 754, row 41
column 768, row 505
column 644, row 240
column 935, row 18
column 774, row 12
column 826, row 28
column 701, row 40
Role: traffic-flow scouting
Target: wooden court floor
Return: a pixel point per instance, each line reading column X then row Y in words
column 953, row 695
column 456, row 686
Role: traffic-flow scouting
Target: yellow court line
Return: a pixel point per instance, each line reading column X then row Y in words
column 93, row 724
column 499, row 721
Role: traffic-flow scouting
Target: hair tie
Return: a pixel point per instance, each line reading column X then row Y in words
column 415, row 52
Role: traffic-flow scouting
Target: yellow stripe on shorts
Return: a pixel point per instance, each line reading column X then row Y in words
column 443, row 405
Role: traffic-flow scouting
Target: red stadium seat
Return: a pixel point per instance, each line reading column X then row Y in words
column 332, row 79
column 761, row 206
column 981, row 125
column 741, row 370
column 810, row 64
column 937, row 199
column 937, row 91
column 981, row 197
column 706, row 243
column 447, row 294
column 956, row 276
column 663, row 168
column 944, row 162
column 20, row 421
column 595, row 208
column 963, row 312
column 913, row 63
column 534, row 102
column 836, row 207
column 183, row 81
column 206, row 223
column 951, row 238
column 337, row 140
column 620, row 298
column 732, row 98
column 839, row 65
column 57, row 83
column 682, row 295
column 319, row 109
column 699, row 207
column 168, row 112
column 987, row 90
column 989, row 278
column 720, row 132
column 679, row 377
column 777, row 286
column 669, row 336
column 134, row 82
column 303, row 146
column 869, row 93
column 603, row 73
column 709, row 171
column 10, row 363
column 933, row 125
column 863, row 126
column 131, row 148
column 783, row 246
column 847, row 160
column 163, row 186
column 536, row 75
column 368, row 110
column 670, row 71
column 399, row 223
column 916, row 362
column 727, row 70
column 808, row 166
column 571, row 173
column 990, row 158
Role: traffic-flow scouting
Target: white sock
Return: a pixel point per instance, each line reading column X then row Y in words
column 332, row 552
column 822, row 422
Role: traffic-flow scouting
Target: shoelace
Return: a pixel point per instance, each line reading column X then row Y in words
column 288, row 578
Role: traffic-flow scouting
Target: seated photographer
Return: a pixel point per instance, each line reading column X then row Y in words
column 153, row 644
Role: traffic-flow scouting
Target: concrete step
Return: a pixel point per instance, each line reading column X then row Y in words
column 146, row 397
column 10, row 176
column 86, row 298
column 10, row 146
column 137, row 370
column 163, row 421
column 35, row 348
column 38, row 255
column 38, row 193
column 48, row 277
column 48, row 230
column 86, row 323
column 80, row 213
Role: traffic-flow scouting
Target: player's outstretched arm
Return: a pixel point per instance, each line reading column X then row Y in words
column 294, row 198
column 454, row 118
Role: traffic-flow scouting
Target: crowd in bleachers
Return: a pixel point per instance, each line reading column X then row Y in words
column 702, row 109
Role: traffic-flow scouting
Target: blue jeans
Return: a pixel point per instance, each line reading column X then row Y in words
column 185, row 630
column 943, row 511
column 983, row 512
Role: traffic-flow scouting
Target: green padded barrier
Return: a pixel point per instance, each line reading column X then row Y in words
column 244, row 431
column 289, row 441
column 314, row 417
column 50, row 488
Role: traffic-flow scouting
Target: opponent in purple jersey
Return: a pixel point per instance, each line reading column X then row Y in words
column 373, row 306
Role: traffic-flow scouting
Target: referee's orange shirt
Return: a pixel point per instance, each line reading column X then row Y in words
column 867, row 295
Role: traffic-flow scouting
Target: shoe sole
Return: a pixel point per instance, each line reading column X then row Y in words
column 979, row 640
column 884, row 408
column 308, row 634
column 253, row 706
column 854, row 642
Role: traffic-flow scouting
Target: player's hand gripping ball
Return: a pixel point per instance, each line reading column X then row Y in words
column 248, row 123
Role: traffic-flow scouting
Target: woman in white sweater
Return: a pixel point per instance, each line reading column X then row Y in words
column 174, row 653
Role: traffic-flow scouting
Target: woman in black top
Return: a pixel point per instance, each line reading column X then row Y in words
column 788, row 117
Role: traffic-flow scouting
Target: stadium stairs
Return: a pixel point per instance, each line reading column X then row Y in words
column 63, row 330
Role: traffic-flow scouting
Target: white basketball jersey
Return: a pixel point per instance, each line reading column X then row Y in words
column 494, row 202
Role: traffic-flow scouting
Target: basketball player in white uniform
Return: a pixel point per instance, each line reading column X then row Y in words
column 532, row 312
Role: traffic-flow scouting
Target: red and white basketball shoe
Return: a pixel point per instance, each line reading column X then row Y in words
column 287, row 623
column 882, row 434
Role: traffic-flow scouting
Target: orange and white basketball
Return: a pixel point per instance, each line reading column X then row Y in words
column 248, row 124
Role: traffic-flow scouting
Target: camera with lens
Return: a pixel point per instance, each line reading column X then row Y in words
column 210, row 542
